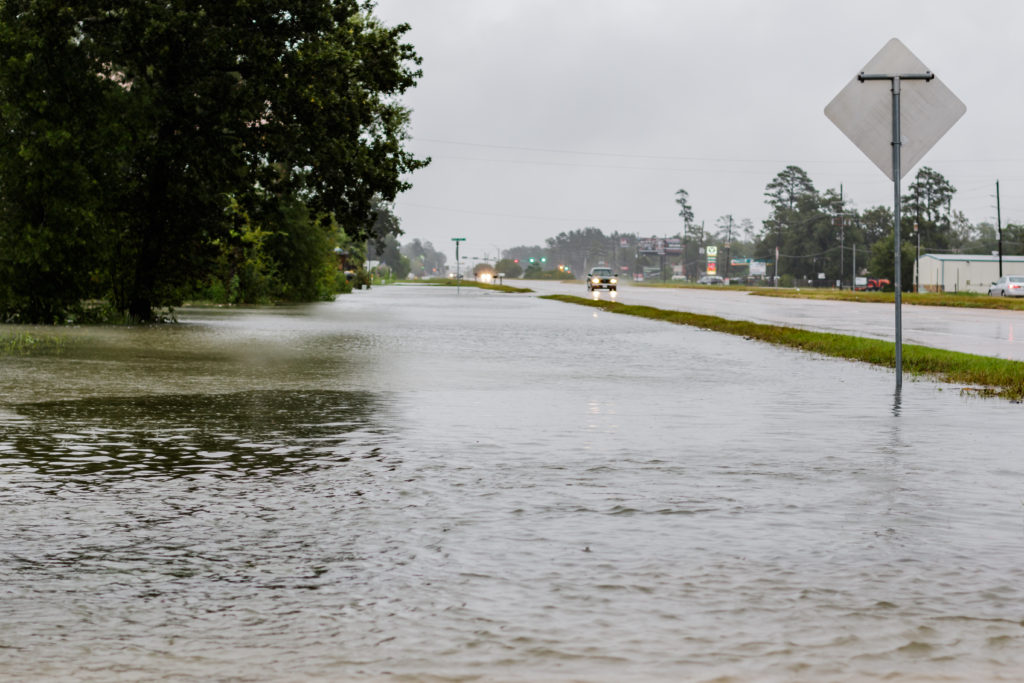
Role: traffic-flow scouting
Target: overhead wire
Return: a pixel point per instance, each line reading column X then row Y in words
column 851, row 179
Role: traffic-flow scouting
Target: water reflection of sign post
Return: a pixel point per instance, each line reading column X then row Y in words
column 872, row 120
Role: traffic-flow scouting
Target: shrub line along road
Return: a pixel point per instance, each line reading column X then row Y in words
column 984, row 332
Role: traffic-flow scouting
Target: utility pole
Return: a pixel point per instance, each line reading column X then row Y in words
column 842, row 234
column 999, row 222
column 700, row 246
column 778, row 236
column 917, row 262
column 728, row 248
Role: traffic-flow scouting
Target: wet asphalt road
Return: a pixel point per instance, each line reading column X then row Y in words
column 980, row 331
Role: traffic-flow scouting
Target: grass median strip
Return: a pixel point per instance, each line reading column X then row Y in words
column 985, row 375
column 446, row 282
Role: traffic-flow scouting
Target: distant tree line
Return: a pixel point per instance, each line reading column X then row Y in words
column 815, row 233
column 152, row 152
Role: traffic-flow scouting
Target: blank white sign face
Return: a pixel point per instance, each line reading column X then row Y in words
column 863, row 110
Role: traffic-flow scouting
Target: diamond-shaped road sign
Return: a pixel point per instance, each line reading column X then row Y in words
column 863, row 110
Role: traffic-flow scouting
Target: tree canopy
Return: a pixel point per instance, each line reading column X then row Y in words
column 140, row 142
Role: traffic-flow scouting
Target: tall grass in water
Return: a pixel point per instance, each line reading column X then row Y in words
column 25, row 343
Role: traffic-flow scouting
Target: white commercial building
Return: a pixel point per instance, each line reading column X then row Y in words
column 963, row 272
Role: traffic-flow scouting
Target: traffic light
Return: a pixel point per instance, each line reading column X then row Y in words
column 543, row 259
column 531, row 259
column 515, row 260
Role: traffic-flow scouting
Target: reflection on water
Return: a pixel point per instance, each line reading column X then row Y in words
column 255, row 433
column 406, row 485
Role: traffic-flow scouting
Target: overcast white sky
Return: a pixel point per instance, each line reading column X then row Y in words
column 544, row 116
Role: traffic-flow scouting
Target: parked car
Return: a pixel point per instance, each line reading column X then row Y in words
column 1007, row 285
column 602, row 278
column 711, row 280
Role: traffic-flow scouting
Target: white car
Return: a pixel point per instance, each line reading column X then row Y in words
column 602, row 278
column 1007, row 285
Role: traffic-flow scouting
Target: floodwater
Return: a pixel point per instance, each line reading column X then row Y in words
column 410, row 484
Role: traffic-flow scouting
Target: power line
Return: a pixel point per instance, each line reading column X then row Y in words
column 529, row 162
column 555, row 150
column 551, row 150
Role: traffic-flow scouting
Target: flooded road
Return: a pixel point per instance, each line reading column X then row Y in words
column 409, row 484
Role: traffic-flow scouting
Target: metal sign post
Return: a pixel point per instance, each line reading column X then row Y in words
column 873, row 124
column 896, row 80
column 458, row 273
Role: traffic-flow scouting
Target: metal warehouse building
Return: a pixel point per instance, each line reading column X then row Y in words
column 963, row 272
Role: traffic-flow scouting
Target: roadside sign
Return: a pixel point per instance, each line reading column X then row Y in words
column 863, row 110
column 874, row 122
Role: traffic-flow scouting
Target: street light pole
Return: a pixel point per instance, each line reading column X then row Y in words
column 728, row 248
column 999, row 222
column 458, row 269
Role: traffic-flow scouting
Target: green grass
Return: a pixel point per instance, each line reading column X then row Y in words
column 27, row 343
column 983, row 374
column 450, row 282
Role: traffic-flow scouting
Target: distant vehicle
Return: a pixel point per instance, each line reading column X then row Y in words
column 711, row 280
column 602, row 278
column 1007, row 285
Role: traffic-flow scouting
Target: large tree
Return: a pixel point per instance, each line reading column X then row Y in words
column 928, row 203
column 156, row 119
column 580, row 249
column 56, row 144
column 799, row 227
column 425, row 261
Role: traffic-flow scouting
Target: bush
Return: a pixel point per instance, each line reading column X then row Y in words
column 537, row 274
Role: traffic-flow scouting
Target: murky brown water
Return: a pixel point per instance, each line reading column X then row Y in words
column 410, row 485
